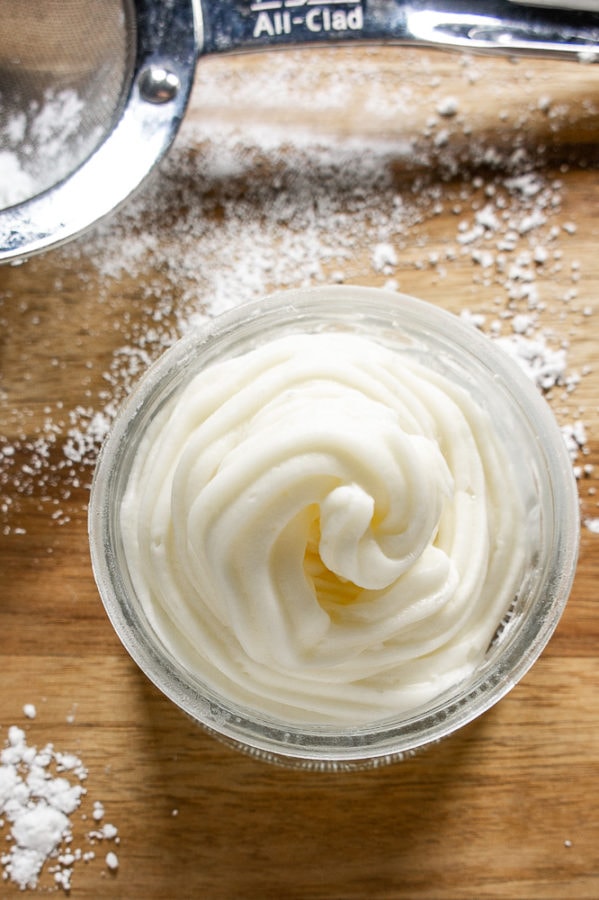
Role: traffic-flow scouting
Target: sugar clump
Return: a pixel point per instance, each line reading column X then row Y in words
column 37, row 804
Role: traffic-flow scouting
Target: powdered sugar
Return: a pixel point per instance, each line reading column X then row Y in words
column 546, row 366
column 37, row 805
column 17, row 184
column 249, row 203
column 112, row 860
column 41, row 144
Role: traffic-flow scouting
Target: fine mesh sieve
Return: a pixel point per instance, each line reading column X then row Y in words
column 92, row 94
column 62, row 74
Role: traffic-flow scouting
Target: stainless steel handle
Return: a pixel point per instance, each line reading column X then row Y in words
column 493, row 26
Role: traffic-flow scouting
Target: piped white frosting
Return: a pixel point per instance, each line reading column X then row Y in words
column 324, row 529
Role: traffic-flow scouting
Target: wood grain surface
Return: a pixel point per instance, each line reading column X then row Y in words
column 509, row 807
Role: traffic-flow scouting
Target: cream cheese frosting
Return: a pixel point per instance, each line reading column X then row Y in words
column 324, row 529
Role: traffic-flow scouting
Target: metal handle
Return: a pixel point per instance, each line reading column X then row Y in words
column 494, row 26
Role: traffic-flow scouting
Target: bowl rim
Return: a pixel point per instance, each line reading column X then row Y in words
column 335, row 746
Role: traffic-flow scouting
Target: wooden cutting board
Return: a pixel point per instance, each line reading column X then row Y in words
column 509, row 807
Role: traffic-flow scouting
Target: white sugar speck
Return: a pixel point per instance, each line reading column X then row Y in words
column 112, row 861
column 384, row 258
column 447, row 107
column 98, row 812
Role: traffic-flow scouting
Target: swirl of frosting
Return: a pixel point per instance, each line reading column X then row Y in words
column 324, row 529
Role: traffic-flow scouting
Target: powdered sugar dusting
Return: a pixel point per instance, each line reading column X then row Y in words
column 42, row 143
column 256, row 201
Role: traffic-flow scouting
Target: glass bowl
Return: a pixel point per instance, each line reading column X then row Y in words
column 529, row 436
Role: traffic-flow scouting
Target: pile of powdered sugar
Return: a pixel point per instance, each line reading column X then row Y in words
column 41, row 790
column 249, row 204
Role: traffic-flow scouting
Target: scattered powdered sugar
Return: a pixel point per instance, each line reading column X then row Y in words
column 40, row 791
column 257, row 201
column 544, row 365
